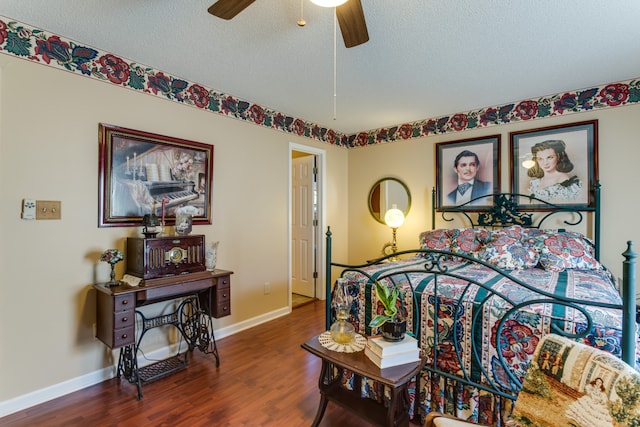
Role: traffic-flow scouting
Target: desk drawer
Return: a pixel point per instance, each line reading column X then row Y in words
column 124, row 302
column 151, row 293
column 123, row 319
column 222, row 309
column 124, row 336
column 223, row 294
column 222, row 282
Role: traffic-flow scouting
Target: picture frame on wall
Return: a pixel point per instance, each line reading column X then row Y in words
column 556, row 164
column 467, row 171
column 145, row 173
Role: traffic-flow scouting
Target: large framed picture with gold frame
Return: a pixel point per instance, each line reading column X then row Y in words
column 142, row 173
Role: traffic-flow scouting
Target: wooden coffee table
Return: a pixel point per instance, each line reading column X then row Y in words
column 331, row 389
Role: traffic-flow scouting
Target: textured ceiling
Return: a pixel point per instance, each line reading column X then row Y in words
column 424, row 58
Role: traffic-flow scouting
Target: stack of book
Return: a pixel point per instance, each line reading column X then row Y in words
column 386, row 353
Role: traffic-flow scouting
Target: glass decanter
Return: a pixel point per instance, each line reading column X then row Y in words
column 342, row 331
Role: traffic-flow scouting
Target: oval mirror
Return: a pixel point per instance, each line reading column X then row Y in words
column 385, row 193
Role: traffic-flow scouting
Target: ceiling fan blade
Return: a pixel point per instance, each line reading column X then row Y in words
column 227, row 9
column 352, row 24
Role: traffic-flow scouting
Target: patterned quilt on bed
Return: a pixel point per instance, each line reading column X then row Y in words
column 480, row 311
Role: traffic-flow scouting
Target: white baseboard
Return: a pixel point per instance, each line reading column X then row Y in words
column 37, row 397
column 48, row 393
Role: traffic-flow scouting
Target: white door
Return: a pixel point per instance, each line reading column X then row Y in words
column 302, row 225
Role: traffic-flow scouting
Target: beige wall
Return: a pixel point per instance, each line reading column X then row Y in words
column 49, row 151
column 414, row 163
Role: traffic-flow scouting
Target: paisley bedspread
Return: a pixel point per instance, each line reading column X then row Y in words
column 475, row 322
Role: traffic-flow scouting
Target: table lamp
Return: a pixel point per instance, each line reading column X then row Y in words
column 394, row 218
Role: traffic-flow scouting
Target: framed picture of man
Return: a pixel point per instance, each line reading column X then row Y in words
column 556, row 164
column 467, row 171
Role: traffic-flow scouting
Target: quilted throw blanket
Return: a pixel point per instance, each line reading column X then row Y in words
column 473, row 322
column 575, row 385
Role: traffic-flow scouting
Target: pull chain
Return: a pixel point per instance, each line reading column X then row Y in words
column 301, row 21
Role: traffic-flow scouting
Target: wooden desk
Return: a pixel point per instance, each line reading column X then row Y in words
column 206, row 294
column 331, row 389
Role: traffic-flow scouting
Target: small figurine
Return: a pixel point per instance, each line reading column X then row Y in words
column 150, row 223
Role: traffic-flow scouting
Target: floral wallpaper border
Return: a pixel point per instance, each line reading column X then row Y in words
column 36, row 45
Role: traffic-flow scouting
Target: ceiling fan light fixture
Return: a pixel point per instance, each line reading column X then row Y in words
column 328, row 3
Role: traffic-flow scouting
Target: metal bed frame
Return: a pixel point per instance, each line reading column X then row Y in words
column 505, row 212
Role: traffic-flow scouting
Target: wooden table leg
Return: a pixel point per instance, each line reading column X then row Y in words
column 393, row 408
column 398, row 407
column 326, row 376
column 321, row 408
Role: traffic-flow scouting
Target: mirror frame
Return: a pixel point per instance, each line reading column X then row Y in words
column 377, row 183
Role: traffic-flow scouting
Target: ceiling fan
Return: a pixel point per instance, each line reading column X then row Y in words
column 350, row 17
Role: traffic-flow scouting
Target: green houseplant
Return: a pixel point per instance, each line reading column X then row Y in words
column 391, row 322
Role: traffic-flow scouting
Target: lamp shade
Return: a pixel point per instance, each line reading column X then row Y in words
column 394, row 217
column 328, row 3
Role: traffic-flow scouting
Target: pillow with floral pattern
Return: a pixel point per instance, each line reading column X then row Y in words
column 436, row 239
column 468, row 241
column 516, row 232
column 565, row 250
column 533, row 233
column 507, row 250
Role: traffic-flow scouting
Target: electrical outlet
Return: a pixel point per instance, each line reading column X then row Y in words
column 267, row 288
column 28, row 209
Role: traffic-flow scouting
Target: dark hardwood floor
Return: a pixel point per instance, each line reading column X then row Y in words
column 264, row 379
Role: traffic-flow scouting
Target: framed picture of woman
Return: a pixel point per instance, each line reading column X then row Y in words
column 467, row 172
column 556, row 164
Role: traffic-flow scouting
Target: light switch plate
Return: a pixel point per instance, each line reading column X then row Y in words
column 48, row 209
column 28, row 209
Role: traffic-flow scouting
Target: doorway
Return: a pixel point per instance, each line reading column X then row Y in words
column 306, row 222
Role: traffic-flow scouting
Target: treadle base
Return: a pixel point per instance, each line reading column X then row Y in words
column 162, row 368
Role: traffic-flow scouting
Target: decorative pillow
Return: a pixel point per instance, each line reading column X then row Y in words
column 564, row 250
column 468, row 241
column 436, row 239
column 571, row 384
column 516, row 232
column 537, row 232
column 506, row 250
